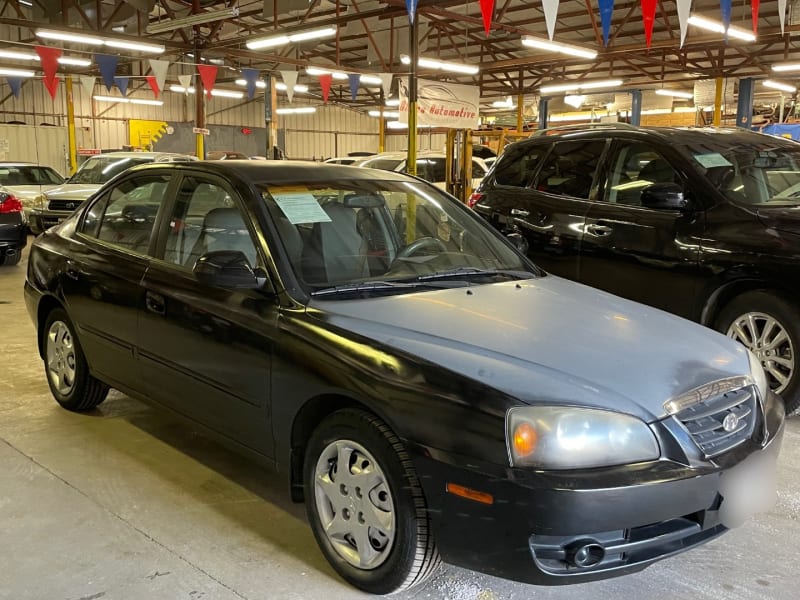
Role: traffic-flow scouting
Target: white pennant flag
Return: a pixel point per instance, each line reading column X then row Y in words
column 159, row 68
column 550, row 15
column 186, row 81
column 684, row 8
column 386, row 83
column 87, row 81
column 290, row 79
column 782, row 12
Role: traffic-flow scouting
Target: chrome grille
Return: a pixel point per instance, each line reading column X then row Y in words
column 721, row 423
column 69, row 205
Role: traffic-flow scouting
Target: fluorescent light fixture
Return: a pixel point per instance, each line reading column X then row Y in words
column 26, row 3
column 15, row 72
column 214, row 92
column 507, row 103
column 717, row 27
column 69, row 37
column 283, row 39
column 64, row 60
column 336, row 74
column 675, row 93
column 120, row 100
column 135, row 46
column 396, row 125
column 393, row 102
column 281, row 87
column 782, row 67
column 442, row 65
column 580, row 86
column 777, row 85
column 197, row 19
column 387, row 114
column 370, row 80
column 92, row 40
column 575, row 101
column 300, row 110
column 568, row 49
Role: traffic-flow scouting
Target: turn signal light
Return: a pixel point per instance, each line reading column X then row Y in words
column 470, row 494
column 525, row 439
column 9, row 204
column 474, row 198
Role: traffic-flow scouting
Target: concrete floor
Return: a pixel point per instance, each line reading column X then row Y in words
column 125, row 503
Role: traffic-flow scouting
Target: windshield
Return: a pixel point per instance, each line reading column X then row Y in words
column 368, row 236
column 24, row 175
column 100, row 169
column 760, row 172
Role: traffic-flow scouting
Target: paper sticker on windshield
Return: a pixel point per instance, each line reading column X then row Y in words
column 712, row 159
column 300, row 207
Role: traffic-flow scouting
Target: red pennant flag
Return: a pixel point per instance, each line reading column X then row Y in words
column 208, row 75
column 153, row 83
column 49, row 59
column 325, row 81
column 487, row 10
column 649, row 17
column 754, row 12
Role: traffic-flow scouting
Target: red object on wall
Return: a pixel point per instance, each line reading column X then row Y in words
column 247, row 130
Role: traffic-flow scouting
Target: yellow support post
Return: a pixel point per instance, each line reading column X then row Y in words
column 718, row 102
column 73, row 148
column 520, row 109
column 466, row 182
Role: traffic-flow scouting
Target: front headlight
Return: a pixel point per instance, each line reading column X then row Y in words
column 39, row 202
column 561, row 437
column 758, row 375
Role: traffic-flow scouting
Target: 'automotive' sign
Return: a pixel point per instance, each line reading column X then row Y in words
column 442, row 104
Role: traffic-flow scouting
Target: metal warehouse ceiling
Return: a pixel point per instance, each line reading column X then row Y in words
column 372, row 34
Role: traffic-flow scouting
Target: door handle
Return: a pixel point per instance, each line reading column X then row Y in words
column 599, row 230
column 72, row 270
column 519, row 212
column 155, row 303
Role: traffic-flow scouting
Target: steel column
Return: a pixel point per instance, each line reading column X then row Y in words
column 744, row 107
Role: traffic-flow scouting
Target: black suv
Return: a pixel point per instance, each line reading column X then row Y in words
column 703, row 223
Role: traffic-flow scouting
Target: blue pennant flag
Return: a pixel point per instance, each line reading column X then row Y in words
column 250, row 76
column 122, row 84
column 606, row 10
column 355, row 81
column 725, row 9
column 15, row 83
column 107, row 63
column 411, row 6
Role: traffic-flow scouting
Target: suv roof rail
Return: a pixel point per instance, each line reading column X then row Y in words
column 578, row 127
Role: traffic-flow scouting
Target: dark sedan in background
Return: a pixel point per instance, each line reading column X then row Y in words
column 429, row 392
column 13, row 229
column 703, row 223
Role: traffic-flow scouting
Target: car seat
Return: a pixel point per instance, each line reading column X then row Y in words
column 224, row 229
column 335, row 251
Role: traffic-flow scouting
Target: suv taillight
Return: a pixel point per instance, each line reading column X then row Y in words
column 475, row 198
column 9, row 203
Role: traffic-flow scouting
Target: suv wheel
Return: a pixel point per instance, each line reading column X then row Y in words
column 770, row 328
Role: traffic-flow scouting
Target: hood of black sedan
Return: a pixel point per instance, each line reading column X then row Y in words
column 549, row 340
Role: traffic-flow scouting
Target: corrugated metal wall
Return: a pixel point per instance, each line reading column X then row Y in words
column 44, row 145
column 425, row 141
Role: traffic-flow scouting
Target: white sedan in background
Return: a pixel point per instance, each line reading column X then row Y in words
column 431, row 166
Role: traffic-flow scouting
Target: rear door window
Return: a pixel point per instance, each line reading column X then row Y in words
column 518, row 166
column 569, row 169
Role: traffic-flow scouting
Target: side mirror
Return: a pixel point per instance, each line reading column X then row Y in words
column 226, row 269
column 667, row 196
column 519, row 242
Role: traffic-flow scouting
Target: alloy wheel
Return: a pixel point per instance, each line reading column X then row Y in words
column 61, row 357
column 767, row 338
column 355, row 504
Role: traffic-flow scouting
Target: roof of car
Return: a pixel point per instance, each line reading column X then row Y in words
column 153, row 155
column 17, row 163
column 279, row 170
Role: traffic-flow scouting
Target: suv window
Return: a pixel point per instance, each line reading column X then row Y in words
column 125, row 216
column 634, row 167
column 518, row 165
column 569, row 168
column 205, row 219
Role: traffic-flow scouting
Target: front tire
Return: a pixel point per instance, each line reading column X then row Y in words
column 768, row 326
column 68, row 375
column 366, row 506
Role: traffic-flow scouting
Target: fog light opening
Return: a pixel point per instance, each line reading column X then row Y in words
column 585, row 553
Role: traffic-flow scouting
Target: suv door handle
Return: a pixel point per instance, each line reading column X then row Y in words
column 519, row 212
column 72, row 271
column 155, row 303
column 599, row 230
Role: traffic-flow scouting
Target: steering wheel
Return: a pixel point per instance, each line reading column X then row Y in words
column 419, row 244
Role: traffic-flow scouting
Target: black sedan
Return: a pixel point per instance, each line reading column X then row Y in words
column 429, row 392
column 13, row 229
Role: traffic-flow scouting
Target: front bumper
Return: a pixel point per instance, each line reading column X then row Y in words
column 42, row 219
column 625, row 518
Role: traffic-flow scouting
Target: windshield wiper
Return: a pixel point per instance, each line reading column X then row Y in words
column 476, row 272
column 366, row 286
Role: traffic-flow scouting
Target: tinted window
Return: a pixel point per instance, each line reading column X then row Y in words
column 24, row 175
column 100, row 169
column 477, row 169
column 518, row 165
column 568, row 170
column 387, row 164
column 635, row 167
column 432, row 169
column 205, row 219
column 126, row 215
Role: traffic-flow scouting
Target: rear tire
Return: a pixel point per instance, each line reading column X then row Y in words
column 369, row 516
column 68, row 375
column 10, row 261
column 770, row 327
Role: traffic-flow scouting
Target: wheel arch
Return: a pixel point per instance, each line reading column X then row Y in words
column 46, row 305
column 723, row 294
